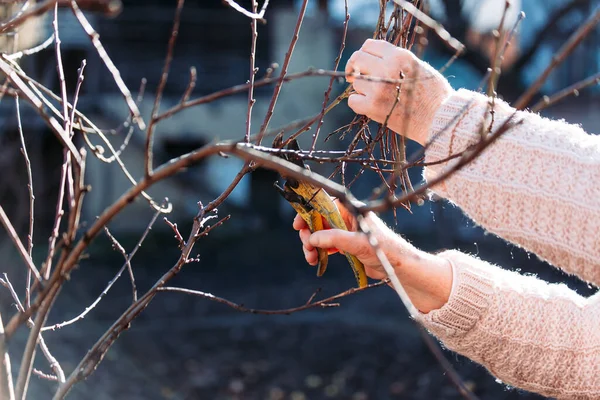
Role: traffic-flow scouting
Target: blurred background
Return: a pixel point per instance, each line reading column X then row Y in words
column 189, row 348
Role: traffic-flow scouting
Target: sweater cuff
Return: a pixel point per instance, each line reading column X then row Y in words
column 471, row 294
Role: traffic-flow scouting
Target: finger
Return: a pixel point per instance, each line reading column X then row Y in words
column 299, row 223
column 347, row 216
column 363, row 86
column 361, row 63
column 350, row 242
column 378, row 48
column 304, row 238
column 359, row 103
column 312, row 257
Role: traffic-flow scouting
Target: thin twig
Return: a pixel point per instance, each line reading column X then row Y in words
column 325, row 303
column 38, row 105
column 42, row 375
column 253, row 71
column 15, row 239
column 572, row 90
column 432, row 24
column 98, row 351
column 336, row 65
column 283, row 73
column 7, row 390
column 95, row 39
column 33, row 50
column 31, row 199
column 178, row 237
column 254, row 15
column 148, row 155
column 566, row 49
column 264, row 82
column 117, row 246
column 445, row 364
column 115, row 155
column 56, row 368
column 127, row 264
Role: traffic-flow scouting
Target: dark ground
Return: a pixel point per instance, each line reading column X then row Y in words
column 186, row 347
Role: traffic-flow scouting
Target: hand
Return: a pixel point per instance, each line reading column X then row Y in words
column 420, row 95
column 426, row 278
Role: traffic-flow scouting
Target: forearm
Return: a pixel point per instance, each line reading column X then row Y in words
column 427, row 280
column 531, row 334
column 534, row 186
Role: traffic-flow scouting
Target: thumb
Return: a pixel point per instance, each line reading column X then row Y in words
column 351, row 242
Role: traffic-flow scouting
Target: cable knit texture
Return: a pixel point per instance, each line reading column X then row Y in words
column 536, row 186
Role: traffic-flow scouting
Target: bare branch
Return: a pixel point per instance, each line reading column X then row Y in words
column 566, row 49
column 454, row 377
column 31, row 198
column 117, row 246
column 253, row 70
column 40, row 374
column 283, row 73
column 161, row 87
column 324, row 303
column 432, row 24
column 180, row 241
column 95, row 38
column 22, row 251
column 60, row 376
column 127, row 264
column 264, row 82
column 336, row 65
column 254, row 15
column 7, row 390
column 572, row 90
column 37, row 104
column 33, row 50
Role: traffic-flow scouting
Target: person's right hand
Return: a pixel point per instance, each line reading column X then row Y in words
column 426, row 278
column 353, row 242
column 420, row 96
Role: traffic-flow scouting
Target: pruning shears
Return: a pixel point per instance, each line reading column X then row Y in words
column 314, row 205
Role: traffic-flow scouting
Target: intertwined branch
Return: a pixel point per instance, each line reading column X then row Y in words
column 406, row 25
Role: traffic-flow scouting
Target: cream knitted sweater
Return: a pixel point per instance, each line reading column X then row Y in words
column 537, row 187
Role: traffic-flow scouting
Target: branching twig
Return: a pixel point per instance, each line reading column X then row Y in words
column 254, row 15
column 148, row 155
column 38, row 105
column 60, row 375
column 31, row 198
column 325, row 303
column 127, row 264
column 566, row 49
column 432, row 24
column 283, row 73
column 117, row 246
column 572, row 90
column 336, row 65
column 178, row 237
column 264, row 82
column 253, row 71
column 95, row 38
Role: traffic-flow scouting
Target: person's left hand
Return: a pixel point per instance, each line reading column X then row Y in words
column 411, row 106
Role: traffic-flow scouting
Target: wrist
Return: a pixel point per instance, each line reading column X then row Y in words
column 427, row 279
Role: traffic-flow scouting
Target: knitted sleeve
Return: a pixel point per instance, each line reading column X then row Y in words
column 536, row 186
column 530, row 334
